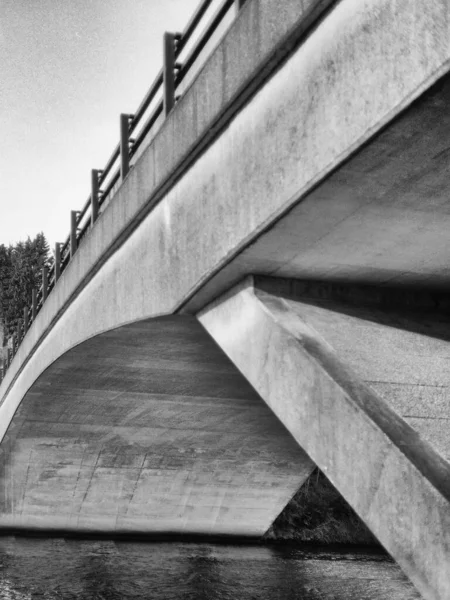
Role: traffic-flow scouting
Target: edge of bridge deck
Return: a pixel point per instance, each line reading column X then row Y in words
column 257, row 41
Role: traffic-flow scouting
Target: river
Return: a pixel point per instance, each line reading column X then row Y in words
column 36, row 568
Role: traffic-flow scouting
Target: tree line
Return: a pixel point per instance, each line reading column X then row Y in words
column 20, row 271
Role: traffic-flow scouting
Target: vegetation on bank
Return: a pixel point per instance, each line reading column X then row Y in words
column 20, row 271
column 319, row 514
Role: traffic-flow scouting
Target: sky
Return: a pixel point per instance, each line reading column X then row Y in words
column 68, row 68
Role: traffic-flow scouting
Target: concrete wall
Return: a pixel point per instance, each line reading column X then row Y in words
column 396, row 343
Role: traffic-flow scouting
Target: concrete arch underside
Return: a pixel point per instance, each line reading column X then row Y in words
column 148, row 428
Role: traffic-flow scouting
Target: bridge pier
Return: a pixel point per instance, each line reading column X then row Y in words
column 311, row 357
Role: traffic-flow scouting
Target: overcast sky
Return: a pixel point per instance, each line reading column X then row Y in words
column 68, row 68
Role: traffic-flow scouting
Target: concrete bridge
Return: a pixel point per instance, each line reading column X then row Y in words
column 261, row 290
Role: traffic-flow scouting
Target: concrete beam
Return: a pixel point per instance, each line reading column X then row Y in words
column 147, row 429
column 393, row 478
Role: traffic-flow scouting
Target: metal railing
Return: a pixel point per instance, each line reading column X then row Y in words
column 134, row 130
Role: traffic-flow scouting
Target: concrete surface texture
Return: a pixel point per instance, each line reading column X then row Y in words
column 395, row 480
column 401, row 351
column 380, row 218
column 310, row 116
column 147, row 429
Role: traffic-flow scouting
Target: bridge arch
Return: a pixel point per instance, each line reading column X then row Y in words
column 147, row 429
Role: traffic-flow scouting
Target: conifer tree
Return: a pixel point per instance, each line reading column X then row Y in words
column 21, row 271
column 5, row 275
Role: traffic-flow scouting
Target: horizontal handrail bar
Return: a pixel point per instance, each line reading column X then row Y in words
column 204, row 39
column 114, row 156
column 185, row 36
column 147, row 127
column 114, row 179
column 83, row 230
column 156, row 85
column 192, row 25
column 84, row 209
column 65, row 245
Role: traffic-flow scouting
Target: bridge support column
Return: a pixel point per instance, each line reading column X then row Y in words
column 397, row 483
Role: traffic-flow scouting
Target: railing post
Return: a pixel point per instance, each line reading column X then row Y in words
column 169, row 72
column 124, row 145
column 44, row 284
column 94, row 193
column 57, row 261
column 73, row 232
column 33, row 303
column 25, row 320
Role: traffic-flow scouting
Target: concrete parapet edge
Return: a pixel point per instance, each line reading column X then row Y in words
column 395, row 481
